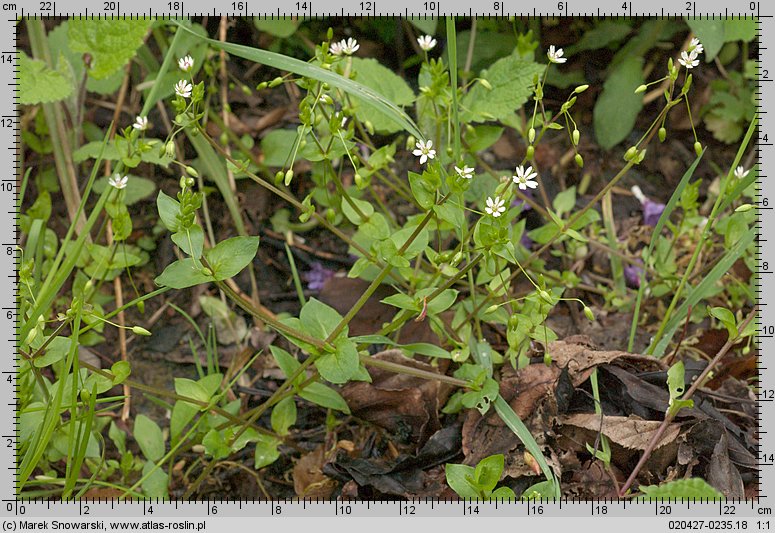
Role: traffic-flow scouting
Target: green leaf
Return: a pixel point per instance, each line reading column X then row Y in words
column 677, row 385
column 137, row 188
column 279, row 27
column 382, row 81
column 182, row 274
column 283, row 416
column 118, row 150
column 488, row 472
column 618, row 106
column 511, row 79
column 191, row 389
column 461, row 479
column 482, row 137
column 365, row 207
column 739, row 29
column 425, row 24
column 149, row 437
column 168, row 209
column 682, row 488
column 229, row 257
column 190, row 240
column 503, row 493
column 543, row 489
column 120, row 371
column 402, row 301
column 287, row 363
column 319, row 319
column 266, row 451
column 155, row 485
column 277, row 146
column 565, row 201
column 215, row 444
column 424, row 188
column 56, row 350
column 40, row 84
column 324, row 396
column 726, row 317
column 342, row 365
column 110, row 42
column 605, row 32
column 710, row 32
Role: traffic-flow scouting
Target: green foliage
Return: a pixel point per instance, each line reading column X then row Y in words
column 384, row 82
column 39, row 83
column 479, row 482
column 618, row 106
column 110, row 42
column 676, row 385
column 681, row 488
column 279, row 27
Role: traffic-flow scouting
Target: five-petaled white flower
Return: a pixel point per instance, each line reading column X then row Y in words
column 495, row 206
column 555, row 56
column 349, row 46
column 524, row 178
column 424, row 151
column 118, row 181
column 689, row 59
column 695, row 46
column 426, row 42
column 465, row 172
column 183, row 89
column 335, row 48
column 141, row 123
column 186, row 63
column 741, row 172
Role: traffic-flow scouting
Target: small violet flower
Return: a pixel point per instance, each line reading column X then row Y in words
column 741, row 172
column 689, row 59
column 632, row 275
column 651, row 210
column 525, row 178
column 465, row 172
column 555, row 56
column 118, row 181
column 424, row 151
column 141, row 123
column 183, row 89
column 186, row 63
column 317, row 276
column 426, row 42
column 495, row 206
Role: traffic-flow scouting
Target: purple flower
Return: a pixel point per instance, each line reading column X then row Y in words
column 317, row 276
column 632, row 275
column 518, row 202
column 651, row 210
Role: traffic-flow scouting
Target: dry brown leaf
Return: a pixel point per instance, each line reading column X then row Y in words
column 579, row 358
column 308, row 478
column 627, row 431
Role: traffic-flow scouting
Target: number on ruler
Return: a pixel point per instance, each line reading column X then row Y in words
column 561, row 6
column 46, row 6
column 753, row 5
column 239, row 6
column 497, row 6
column 110, row 6
column 6, row 58
column 175, row 6
column 431, row 6
column 302, row 6
column 689, row 6
column 367, row 6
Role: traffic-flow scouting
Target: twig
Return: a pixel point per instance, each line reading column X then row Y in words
column 696, row 385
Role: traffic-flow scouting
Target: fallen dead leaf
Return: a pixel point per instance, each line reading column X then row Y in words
column 308, row 478
column 627, row 431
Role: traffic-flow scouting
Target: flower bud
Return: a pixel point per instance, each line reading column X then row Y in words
column 275, row 82
column 359, row 181
column 206, row 271
column 288, row 177
column 141, row 307
column 579, row 160
column 530, row 152
column 581, row 88
column 85, row 395
column 513, row 321
column 261, row 86
column 278, row 177
column 575, row 136
column 191, row 171
column 589, row 314
column 486, row 84
column 169, row 149
column 330, row 215
column 662, row 134
column 531, row 135
column 545, row 296
column 458, row 257
column 698, row 148
column 641, row 89
column 631, row 152
column 138, row 330
column 491, row 309
column 743, row 208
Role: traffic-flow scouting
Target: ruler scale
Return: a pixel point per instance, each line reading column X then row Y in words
column 751, row 515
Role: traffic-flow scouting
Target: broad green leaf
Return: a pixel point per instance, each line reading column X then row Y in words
column 40, row 84
column 424, row 188
column 425, row 24
column 480, row 138
column 342, row 365
column 542, row 489
column 120, row 371
column 182, row 413
column 318, row 319
column 461, row 479
column 137, row 188
column 325, row 396
column 190, row 240
column 604, row 33
column 488, row 472
column 149, row 437
column 117, row 150
column 726, row 317
column 422, row 348
column 229, row 257
column 283, row 416
column 511, row 79
column 503, row 493
column 565, row 201
column 110, row 42
column 279, row 27
column 215, row 444
column 710, row 32
column 739, row 29
column 402, row 301
column 55, row 351
column 168, row 209
column 383, row 81
column 287, row 363
column 277, row 146
column 442, row 302
column 155, row 485
column 618, row 106
column 266, row 451
column 182, row 274
column 676, row 385
column 191, row 389
column 681, row 488
column 365, row 207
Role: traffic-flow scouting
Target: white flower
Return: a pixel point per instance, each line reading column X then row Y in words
column 689, row 59
column 465, row 172
column 555, row 56
column 335, row 48
column 424, row 151
column 695, row 46
column 118, row 181
column 495, row 206
column 349, row 47
column 525, row 177
column 141, row 123
column 741, row 172
column 426, row 42
column 186, row 63
column 183, row 89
